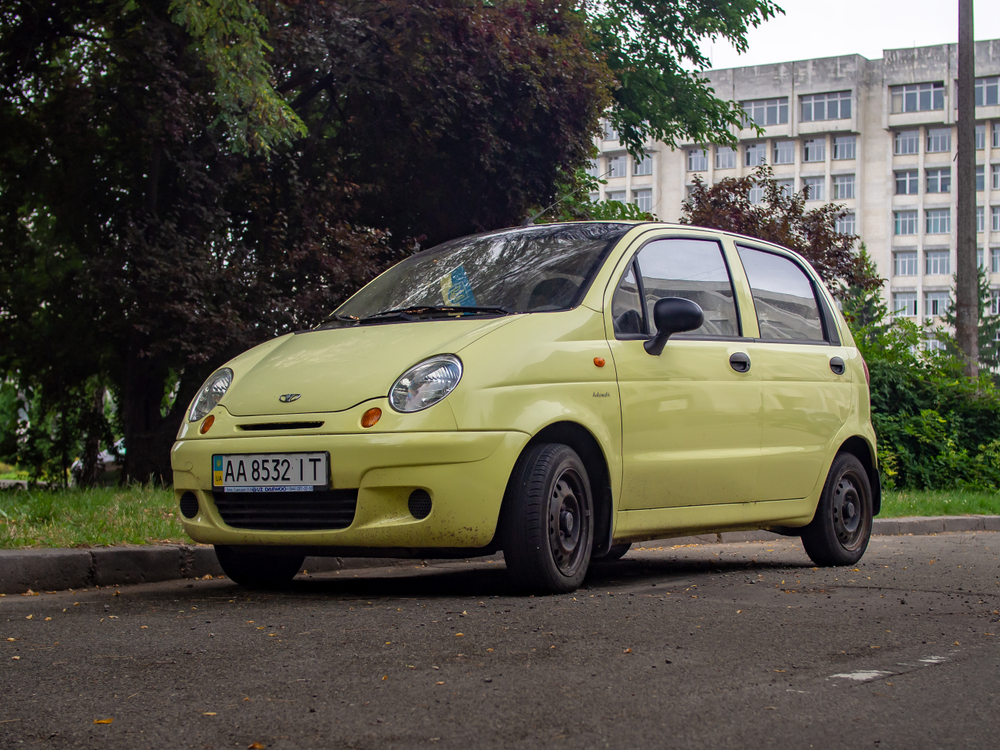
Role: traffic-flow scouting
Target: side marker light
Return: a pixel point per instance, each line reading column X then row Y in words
column 599, row 361
column 371, row 417
column 207, row 424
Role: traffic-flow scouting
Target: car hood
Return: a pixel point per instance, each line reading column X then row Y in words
column 335, row 369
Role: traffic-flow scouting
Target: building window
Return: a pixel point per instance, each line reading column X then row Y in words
column 816, row 186
column 939, row 180
column 937, row 262
column 843, row 186
column 995, row 179
column 996, row 135
column 906, row 142
column 907, row 182
column 643, row 167
column 784, row 152
column 846, row 224
column 787, row 187
column 932, row 343
column 616, row 166
column 917, row 97
column 904, row 222
column 995, row 306
column 995, row 260
column 987, row 90
column 938, row 221
column 697, row 160
column 643, row 199
column 904, row 263
column 814, row 149
column 593, row 168
column 755, row 154
column 844, row 147
column 980, row 136
column 981, row 258
column 980, row 221
column 616, row 195
column 980, row 178
column 995, row 219
column 766, row 111
column 936, row 303
column 725, row 158
column 835, row 106
column 610, row 134
column 756, row 193
column 938, row 140
column 904, row 304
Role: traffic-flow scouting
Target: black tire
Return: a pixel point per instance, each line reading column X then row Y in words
column 548, row 526
column 617, row 552
column 842, row 526
column 258, row 570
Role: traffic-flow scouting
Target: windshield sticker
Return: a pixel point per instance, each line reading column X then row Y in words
column 456, row 289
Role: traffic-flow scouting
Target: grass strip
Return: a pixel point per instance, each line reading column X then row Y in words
column 899, row 504
column 104, row 516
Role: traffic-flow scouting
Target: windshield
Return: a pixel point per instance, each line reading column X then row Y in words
column 533, row 269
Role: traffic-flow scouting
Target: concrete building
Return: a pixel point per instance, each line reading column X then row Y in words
column 878, row 136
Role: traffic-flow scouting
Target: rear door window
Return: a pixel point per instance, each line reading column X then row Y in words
column 783, row 295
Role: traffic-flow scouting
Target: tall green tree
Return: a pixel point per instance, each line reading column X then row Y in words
column 182, row 179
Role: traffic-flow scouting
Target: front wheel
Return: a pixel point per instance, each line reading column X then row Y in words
column 548, row 525
column 257, row 569
column 842, row 526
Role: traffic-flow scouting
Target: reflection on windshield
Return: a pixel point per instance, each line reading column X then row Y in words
column 532, row 269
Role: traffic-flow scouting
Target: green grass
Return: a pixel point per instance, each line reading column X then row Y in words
column 85, row 518
column 939, row 503
column 147, row 515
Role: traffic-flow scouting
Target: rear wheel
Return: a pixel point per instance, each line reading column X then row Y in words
column 842, row 526
column 254, row 569
column 548, row 525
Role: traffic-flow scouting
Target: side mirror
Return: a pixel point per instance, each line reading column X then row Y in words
column 673, row 315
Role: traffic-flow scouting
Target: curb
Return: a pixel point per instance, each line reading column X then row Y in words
column 60, row 569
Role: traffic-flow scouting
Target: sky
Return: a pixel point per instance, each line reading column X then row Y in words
column 828, row 28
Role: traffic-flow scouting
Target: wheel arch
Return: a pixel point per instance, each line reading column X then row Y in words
column 581, row 440
column 860, row 449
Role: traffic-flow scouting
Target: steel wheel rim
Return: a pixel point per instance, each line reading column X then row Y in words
column 568, row 521
column 849, row 511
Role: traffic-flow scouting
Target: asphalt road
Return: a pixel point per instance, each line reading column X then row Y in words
column 710, row 646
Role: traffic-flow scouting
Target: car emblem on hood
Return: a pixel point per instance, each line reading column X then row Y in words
column 289, row 397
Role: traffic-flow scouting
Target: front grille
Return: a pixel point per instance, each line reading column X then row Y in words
column 288, row 511
column 258, row 426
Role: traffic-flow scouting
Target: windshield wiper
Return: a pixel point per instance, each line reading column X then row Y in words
column 414, row 313
column 334, row 318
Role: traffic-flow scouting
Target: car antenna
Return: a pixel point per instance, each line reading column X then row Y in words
column 531, row 220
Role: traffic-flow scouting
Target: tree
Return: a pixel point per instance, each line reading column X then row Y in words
column 782, row 218
column 647, row 44
column 988, row 328
column 181, row 179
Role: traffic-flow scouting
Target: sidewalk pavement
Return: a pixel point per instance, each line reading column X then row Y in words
column 59, row 569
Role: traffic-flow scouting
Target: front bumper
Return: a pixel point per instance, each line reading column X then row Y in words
column 465, row 474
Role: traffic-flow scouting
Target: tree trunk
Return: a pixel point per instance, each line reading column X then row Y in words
column 90, row 470
column 148, row 436
column 967, row 277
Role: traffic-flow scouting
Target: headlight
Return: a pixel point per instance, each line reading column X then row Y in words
column 210, row 394
column 426, row 383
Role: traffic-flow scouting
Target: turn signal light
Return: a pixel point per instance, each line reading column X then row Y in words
column 371, row 417
column 207, row 424
column 599, row 361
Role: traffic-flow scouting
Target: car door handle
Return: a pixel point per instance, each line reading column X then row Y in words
column 740, row 362
column 838, row 366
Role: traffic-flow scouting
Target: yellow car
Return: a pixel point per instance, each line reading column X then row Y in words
column 556, row 392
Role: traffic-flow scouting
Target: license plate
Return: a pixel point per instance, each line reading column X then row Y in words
column 271, row 472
